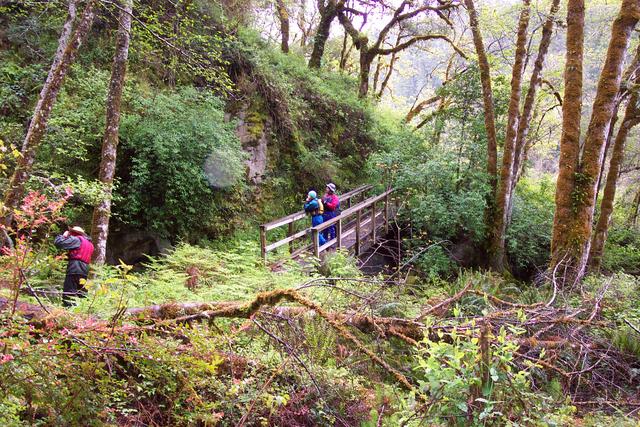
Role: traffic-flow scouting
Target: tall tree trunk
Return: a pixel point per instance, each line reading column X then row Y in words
column 283, row 17
column 328, row 12
column 365, row 68
column 529, row 103
column 631, row 118
column 102, row 212
column 344, row 52
column 497, row 237
column 387, row 76
column 572, row 232
column 487, row 95
column 607, row 145
column 603, row 109
column 376, row 74
column 65, row 56
column 570, row 137
column 635, row 209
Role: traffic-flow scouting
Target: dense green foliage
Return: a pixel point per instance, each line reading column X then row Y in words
column 622, row 250
column 180, row 172
column 529, row 235
column 178, row 152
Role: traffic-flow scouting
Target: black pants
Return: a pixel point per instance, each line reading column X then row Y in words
column 72, row 289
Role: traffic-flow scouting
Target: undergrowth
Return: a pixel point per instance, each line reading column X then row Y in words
column 279, row 368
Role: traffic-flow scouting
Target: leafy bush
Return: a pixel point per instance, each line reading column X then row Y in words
column 442, row 200
column 622, row 250
column 451, row 372
column 528, row 238
column 177, row 150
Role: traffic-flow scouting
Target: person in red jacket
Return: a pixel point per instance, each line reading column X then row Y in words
column 331, row 210
column 80, row 248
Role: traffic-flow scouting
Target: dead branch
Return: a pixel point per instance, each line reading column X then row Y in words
column 444, row 303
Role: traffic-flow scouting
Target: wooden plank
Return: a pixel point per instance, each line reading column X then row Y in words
column 316, row 242
column 339, row 234
column 373, row 222
column 386, row 214
column 263, row 243
column 358, row 221
column 284, row 220
column 289, row 234
column 289, row 239
column 327, row 245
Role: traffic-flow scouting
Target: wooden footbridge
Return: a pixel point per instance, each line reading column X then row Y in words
column 362, row 219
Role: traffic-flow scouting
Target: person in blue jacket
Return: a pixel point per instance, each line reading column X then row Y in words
column 313, row 206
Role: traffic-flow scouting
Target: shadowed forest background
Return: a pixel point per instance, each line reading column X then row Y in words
column 505, row 293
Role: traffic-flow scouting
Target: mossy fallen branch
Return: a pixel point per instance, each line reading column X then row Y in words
column 271, row 298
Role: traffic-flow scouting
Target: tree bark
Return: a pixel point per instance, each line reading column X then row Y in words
column 608, row 142
column 529, row 103
column 417, row 109
column 328, row 13
column 102, row 212
column 65, row 56
column 283, row 17
column 575, row 193
column 497, row 243
column 631, row 119
column 487, row 96
column 387, row 76
column 635, row 209
column 344, row 52
column 365, row 69
column 570, row 137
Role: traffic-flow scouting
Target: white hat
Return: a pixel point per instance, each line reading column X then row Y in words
column 77, row 229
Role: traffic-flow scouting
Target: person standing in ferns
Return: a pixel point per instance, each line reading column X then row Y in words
column 331, row 204
column 80, row 248
column 313, row 206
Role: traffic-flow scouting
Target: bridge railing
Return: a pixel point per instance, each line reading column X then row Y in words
column 360, row 220
column 347, row 199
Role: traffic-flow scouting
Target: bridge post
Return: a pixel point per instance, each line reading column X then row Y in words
column 263, row 244
column 289, row 233
column 358, row 220
column 339, row 234
column 386, row 214
column 316, row 242
column 373, row 222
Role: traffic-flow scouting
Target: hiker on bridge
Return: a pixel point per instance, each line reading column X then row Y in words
column 331, row 210
column 80, row 248
column 314, row 207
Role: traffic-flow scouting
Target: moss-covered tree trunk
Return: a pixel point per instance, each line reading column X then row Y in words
column 328, row 13
column 65, row 56
column 503, row 195
column 526, row 117
column 487, row 96
column 366, row 59
column 102, row 212
column 283, row 17
column 635, row 209
column 578, row 178
column 570, row 136
column 631, row 119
